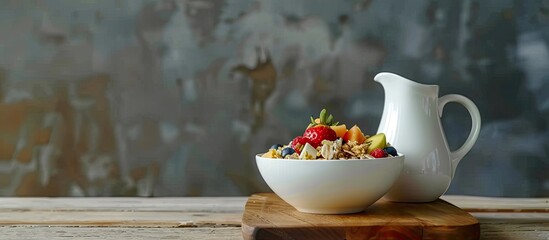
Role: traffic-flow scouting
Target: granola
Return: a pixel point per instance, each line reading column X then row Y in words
column 325, row 140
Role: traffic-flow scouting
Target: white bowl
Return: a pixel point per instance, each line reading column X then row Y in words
column 330, row 186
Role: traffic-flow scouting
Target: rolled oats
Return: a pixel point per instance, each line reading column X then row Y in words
column 323, row 140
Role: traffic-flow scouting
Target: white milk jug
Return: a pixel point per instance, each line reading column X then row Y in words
column 411, row 122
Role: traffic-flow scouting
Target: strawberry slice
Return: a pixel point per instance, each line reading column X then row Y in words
column 298, row 143
column 378, row 153
column 320, row 129
column 318, row 133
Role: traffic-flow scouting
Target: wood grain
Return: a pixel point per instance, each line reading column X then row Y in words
column 120, row 219
column 121, row 233
column 125, row 204
column 492, row 204
column 122, row 212
column 266, row 216
column 215, row 217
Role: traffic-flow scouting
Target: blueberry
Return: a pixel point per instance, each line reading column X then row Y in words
column 391, row 150
column 287, row 151
column 276, row 146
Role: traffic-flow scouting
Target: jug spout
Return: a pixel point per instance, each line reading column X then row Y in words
column 393, row 81
column 386, row 78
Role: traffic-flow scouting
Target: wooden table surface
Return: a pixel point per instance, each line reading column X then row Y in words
column 217, row 217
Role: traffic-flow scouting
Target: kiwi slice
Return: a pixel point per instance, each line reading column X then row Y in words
column 377, row 141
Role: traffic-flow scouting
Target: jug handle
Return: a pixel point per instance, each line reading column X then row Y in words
column 457, row 155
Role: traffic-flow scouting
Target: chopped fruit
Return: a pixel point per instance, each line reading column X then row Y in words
column 378, row 153
column 340, row 130
column 325, row 139
column 287, row 151
column 377, row 141
column 276, row 146
column 270, row 154
column 308, row 152
column 354, row 134
column 321, row 130
column 298, row 143
column 318, row 133
column 391, row 151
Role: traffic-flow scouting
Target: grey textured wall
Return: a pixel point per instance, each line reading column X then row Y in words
column 156, row 98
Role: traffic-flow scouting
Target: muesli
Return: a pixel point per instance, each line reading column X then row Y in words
column 325, row 139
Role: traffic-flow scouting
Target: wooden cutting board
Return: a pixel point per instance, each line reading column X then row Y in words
column 266, row 216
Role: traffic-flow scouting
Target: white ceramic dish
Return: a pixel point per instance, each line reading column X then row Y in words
column 330, row 186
